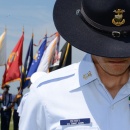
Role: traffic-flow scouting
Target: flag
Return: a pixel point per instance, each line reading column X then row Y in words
column 64, row 58
column 12, row 71
column 3, row 48
column 36, row 60
column 27, row 63
column 48, row 54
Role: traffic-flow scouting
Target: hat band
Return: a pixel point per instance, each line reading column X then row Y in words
column 113, row 31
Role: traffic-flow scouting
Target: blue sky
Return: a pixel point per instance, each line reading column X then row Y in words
column 35, row 16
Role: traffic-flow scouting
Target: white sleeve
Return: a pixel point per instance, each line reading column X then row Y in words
column 32, row 117
column 20, row 107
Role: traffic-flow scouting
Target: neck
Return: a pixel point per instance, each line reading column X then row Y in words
column 113, row 83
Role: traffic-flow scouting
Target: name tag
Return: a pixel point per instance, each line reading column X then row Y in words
column 75, row 121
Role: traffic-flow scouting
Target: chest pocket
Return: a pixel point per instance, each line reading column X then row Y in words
column 77, row 128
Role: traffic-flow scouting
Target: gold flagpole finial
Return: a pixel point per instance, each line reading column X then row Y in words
column 32, row 33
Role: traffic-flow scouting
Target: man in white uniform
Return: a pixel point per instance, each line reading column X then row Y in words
column 93, row 94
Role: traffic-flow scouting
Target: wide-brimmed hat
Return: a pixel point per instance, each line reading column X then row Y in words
column 98, row 27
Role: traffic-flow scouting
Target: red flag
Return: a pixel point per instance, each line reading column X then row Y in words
column 12, row 71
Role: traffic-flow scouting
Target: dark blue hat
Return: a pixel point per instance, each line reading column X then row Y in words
column 98, row 27
column 18, row 87
column 7, row 86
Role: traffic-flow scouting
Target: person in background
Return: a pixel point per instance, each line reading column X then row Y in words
column 6, row 108
column 16, row 102
column 0, row 101
column 93, row 94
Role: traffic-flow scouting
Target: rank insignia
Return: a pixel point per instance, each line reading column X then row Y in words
column 85, row 76
column 118, row 19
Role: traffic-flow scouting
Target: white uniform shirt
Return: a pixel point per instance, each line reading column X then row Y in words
column 21, row 105
column 70, row 97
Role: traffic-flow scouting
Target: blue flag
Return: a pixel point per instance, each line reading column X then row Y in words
column 35, row 62
column 27, row 63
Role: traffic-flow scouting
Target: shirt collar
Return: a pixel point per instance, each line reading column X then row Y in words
column 81, row 73
column 127, row 88
column 85, row 72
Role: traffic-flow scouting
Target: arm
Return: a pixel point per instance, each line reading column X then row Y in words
column 3, row 96
column 19, row 95
column 10, row 106
column 32, row 117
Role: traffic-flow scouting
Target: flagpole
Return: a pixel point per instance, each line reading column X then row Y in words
column 5, row 29
column 22, row 67
column 32, row 35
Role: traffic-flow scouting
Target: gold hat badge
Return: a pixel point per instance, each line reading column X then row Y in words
column 118, row 19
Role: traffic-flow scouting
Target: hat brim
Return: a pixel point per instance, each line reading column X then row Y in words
column 78, row 34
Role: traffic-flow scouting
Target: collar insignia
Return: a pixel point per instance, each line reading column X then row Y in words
column 86, row 76
column 118, row 19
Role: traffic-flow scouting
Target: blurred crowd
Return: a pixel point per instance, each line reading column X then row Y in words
column 9, row 106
